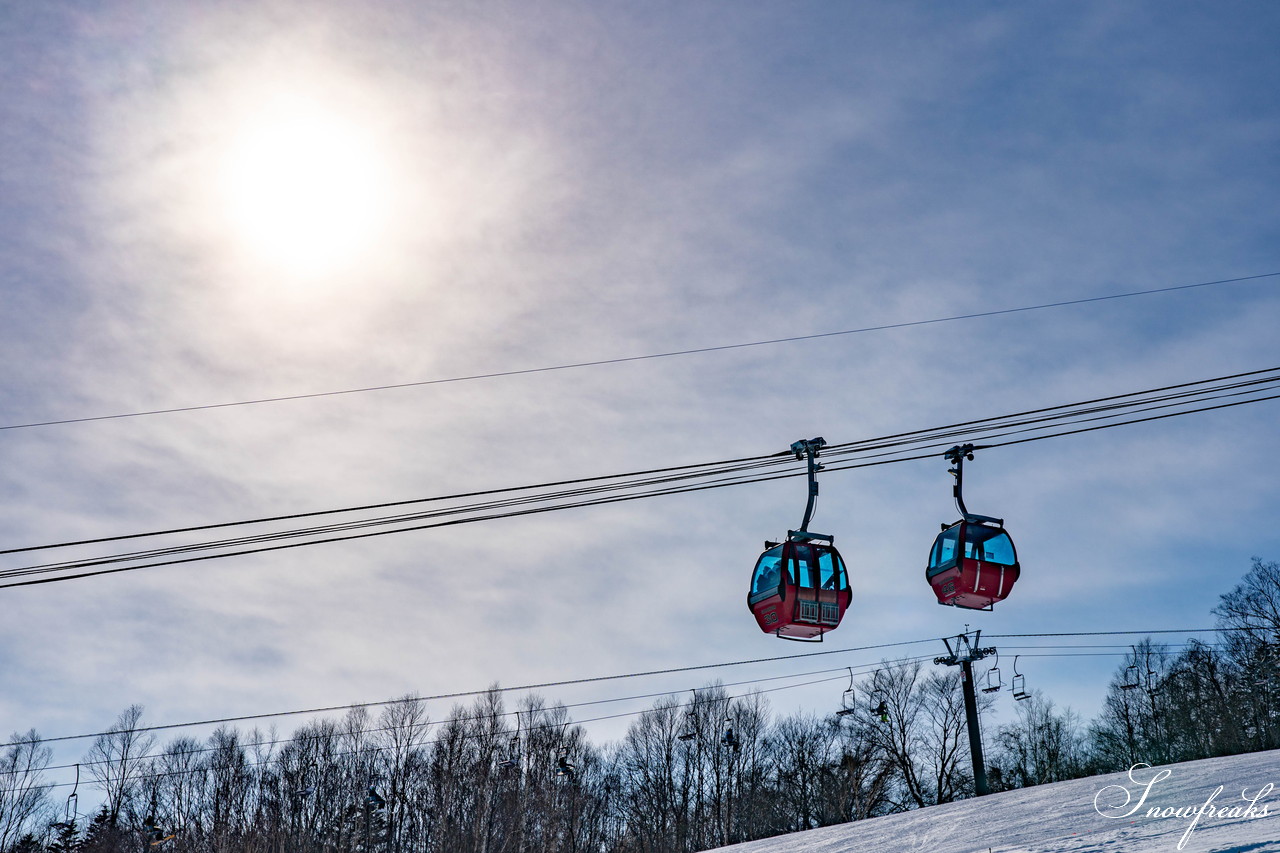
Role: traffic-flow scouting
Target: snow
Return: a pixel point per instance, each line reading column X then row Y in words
column 1068, row 817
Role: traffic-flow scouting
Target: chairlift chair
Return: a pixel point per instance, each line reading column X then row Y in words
column 1018, row 683
column 848, row 699
column 373, row 800
column 155, row 835
column 310, row 770
column 876, row 703
column 1131, row 676
column 73, row 800
column 564, row 770
column 993, row 682
column 690, row 730
column 729, row 739
column 512, row 757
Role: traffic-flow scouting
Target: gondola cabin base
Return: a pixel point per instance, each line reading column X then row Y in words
column 799, row 590
column 972, row 565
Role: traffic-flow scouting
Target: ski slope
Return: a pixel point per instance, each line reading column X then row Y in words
column 1102, row 814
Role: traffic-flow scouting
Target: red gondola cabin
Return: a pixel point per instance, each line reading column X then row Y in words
column 800, row 589
column 973, row 564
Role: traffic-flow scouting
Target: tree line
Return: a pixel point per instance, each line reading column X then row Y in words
column 690, row 773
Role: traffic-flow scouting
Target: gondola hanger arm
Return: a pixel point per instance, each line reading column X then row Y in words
column 956, row 456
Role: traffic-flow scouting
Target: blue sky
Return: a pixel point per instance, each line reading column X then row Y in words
column 499, row 186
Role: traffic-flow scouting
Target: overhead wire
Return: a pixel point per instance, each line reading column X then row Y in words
column 427, row 724
column 839, row 674
column 755, row 463
column 1049, row 422
column 1271, row 379
column 719, row 467
column 1259, row 376
column 645, row 357
column 525, row 688
column 344, row 525
column 390, row 504
column 517, row 689
column 469, row 736
column 542, row 727
column 742, row 465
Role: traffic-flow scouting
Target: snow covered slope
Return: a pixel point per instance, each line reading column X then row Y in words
column 1103, row 813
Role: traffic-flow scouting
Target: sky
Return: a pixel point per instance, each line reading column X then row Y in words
column 216, row 202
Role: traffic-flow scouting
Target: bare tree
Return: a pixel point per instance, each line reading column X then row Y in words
column 1042, row 745
column 742, row 745
column 174, row 787
column 944, row 736
column 1249, row 622
column 402, row 738
column 1250, row 613
column 1133, row 725
column 310, row 789
column 648, row 759
column 229, row 792
column 864, row 775
column 23, row 795
column 804, row 751
column 891, row 718
column 117, row 760
column 1205, row 704
column 917, row 723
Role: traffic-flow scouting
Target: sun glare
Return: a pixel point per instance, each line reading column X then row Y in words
column 305, row 190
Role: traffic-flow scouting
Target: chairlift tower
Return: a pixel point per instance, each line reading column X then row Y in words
column 963, row 655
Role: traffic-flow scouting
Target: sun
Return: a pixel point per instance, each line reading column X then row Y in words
column 304, row 188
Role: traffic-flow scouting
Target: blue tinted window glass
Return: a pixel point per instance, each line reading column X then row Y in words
column 768, row 571
column 999, row 549
column 826, row 571
column 841, row 573
column 804, row 565
column 944, row 548
column 989, row 544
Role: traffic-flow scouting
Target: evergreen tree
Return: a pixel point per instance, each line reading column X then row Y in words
column 66, row 839
column 28, row 843
column 103, row 835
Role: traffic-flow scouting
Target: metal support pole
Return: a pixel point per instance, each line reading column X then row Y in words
column 963, row 656
column 975, row 734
